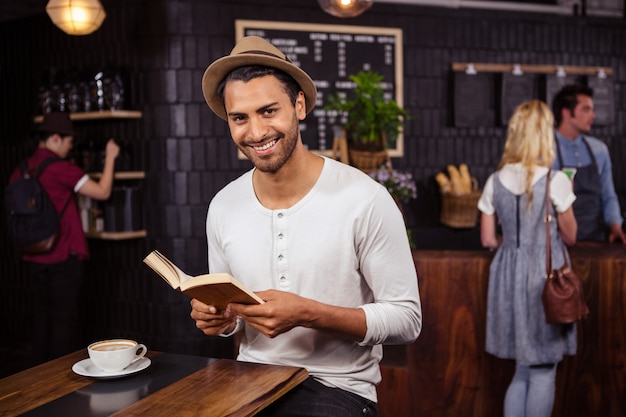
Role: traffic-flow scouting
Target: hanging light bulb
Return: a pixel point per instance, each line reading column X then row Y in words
column 76, row 17
column 345, row 8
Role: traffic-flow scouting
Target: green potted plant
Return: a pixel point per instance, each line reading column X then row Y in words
column 371, row 122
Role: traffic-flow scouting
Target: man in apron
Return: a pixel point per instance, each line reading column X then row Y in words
column 588, row 162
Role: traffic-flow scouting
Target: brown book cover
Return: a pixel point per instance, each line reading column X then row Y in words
column 212, row 289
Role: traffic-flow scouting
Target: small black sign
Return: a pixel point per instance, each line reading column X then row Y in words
column 472, row 100
column 554, row 83
column 603, row 99
column 516, row 89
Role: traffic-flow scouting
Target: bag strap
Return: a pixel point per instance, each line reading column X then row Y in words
column 26, row 170
column 44, row 164
column 547, row 220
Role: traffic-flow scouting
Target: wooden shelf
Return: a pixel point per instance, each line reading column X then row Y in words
column 117, row 235
column 536, row 69
column 122, row 175
column 100, row 115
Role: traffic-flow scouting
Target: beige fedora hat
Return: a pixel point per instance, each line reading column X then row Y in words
column 253, row 50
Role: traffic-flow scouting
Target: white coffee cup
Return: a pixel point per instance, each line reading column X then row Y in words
column 114, row 355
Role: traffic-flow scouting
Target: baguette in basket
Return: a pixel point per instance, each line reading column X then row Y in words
column 459, row 197
column 460, row 181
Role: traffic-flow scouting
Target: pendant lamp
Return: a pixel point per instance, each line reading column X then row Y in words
column 345, row 8
column 76, row 17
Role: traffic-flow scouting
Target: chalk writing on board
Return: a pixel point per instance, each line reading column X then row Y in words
column 516, row 89
column 603, row 99
column 472, row 104
column 329, row 54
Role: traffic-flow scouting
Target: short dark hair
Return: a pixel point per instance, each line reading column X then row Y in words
column 567, row 98
column 247, row 73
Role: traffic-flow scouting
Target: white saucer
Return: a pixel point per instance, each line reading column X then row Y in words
column 87, row 368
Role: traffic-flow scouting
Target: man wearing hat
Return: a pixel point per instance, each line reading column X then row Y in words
column 56, row 275
column 322, row 243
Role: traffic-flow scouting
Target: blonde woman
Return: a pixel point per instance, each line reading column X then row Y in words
column 514, row 198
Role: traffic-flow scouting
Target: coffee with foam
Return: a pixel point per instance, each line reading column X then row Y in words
column 116, row 354
column 112, row 345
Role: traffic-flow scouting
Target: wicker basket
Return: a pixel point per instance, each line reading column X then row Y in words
column 367, row 161
column 460, row 210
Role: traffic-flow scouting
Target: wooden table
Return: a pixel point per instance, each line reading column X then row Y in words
column 172, row 385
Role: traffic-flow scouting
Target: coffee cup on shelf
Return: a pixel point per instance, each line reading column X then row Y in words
column 115, row 354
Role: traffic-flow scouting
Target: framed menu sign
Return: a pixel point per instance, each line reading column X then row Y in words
column 603, row 99
column 516, row 89
column 330, row 54
column 472, row 99
column 554, row 83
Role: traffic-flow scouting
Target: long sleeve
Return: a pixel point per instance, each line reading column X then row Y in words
column 610, row 202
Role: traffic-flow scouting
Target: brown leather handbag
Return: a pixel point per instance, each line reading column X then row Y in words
column 562, row 297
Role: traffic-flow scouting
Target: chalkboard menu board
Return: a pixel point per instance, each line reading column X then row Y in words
column 554, row 83
column 603, row 99
column 472, row 102
column 516, row 89
column 329, row 54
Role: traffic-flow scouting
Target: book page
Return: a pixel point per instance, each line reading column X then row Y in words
column 166, row 269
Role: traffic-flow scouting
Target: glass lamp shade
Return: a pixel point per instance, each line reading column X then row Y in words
column 345, row 8
column 76, row 17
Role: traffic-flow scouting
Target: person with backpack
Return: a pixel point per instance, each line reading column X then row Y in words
column 56, row 274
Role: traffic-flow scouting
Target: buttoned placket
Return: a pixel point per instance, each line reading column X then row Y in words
column 280, row 251
column 577, row 155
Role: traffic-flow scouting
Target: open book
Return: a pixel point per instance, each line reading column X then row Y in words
column 212, row 289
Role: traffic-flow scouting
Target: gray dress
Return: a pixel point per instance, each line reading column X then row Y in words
column 516, row 324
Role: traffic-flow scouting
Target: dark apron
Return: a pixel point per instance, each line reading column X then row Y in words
column 588, row 204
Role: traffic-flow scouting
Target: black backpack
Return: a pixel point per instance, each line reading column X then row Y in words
column 33, row 220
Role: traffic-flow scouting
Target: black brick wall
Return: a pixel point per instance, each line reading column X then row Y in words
column 187, row 154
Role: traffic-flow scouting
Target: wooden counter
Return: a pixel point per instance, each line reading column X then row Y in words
column 446, row 372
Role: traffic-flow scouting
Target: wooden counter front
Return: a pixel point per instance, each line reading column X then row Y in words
column 446, row 372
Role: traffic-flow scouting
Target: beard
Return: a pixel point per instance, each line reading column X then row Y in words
column 285, row 145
